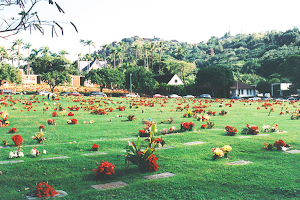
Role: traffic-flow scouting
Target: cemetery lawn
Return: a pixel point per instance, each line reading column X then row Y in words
column 271, row 175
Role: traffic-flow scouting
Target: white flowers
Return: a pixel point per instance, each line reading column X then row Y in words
column 16, row 154
column 34, row 152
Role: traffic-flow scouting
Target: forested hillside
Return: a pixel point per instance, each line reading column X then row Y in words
column 252, row 57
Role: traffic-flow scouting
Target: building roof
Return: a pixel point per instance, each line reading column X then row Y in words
column 95, row 64
column 164, row 78
column 240, row 85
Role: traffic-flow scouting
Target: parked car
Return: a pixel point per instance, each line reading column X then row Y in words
column 174, row 96
column 75, row 94
column 132, row 95
column 255, row 98
column 235, row 97
column 98, row 94
column 65, row 93
column 291, row 99
column 5, row 92
column 205, row 96
column 46, row 93
column 158, row 96
column 188, row 96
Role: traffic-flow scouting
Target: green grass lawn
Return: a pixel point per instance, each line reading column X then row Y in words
column 272, row 175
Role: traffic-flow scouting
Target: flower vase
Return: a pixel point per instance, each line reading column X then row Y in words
column 215, row 157
column 225, row 155
column 41, row 129
column 95, row 149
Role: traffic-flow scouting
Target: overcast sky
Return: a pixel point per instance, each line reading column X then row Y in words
column 192, row 21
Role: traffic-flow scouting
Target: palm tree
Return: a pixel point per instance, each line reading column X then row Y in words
column 146, row 48
column 105, row 47
column 45, row 50
column 62, row 53
column 136, row 47
column 89, row 43
column 18, row 42
column 122, row 48
column 114, row 52
column 12, row 55
column 3, row 53
column 161, row 47
column 27, row 46
column 152, row 49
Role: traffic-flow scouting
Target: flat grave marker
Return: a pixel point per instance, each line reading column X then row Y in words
column 193, row 143
column 166, row 147
column 240, row 162
column 244, row 137
column 112, row 185
column 54, row 158
column 161, row 175
column 11, row 161
column 293, row 151
column 96, row 153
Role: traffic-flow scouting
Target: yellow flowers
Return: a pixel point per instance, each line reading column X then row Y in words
column 218, row 152
column 226, row 149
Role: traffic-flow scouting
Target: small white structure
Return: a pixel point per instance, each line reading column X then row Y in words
column 277, row 89
column 89, row 65
column 169, row 79
column 242, row 90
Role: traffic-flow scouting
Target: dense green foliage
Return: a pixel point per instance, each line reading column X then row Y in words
column 9, row 74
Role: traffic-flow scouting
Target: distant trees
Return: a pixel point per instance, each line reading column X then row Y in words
column 9, row 74
column 217, row 78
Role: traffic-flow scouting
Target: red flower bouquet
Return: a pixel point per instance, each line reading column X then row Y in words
column 230, row 130
column 12, row 130
column 152, row 165
column 44, row 190
column 51, row 122
column 41, row 128
column 204, row 126
column 72, row 121
column 104, row 169
column 95, row 147
column 143, row 133
column 250, row 130
column 70, row 114
column 186, row 126
column 17, row 139
column 54, row 114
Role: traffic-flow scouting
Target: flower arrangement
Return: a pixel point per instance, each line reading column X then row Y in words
column 51, row 121
column 99, row 111
column 164, row 131
column 217, row 152
column 172, row 129
column 186, row 126
column 72, row 121
column 34, row 152
column 188, row 114
column 170, row 120
column 70, row 114
column 131, row 118
column 39, row 137
column 145, row 160
column 104, row 169
column 41, row 128
column 220, row 152
column 210, row 124
column 223, row 112
column 95, row 147
column 204, row 126
column 12, row 130
column 16, row 154
column 54, row 114
column 278, row 145
column 210, row 113
column 250, row 130
column 74, row 108
column 274, row 128
column 158, row 142
column 266, row 128
column 17, row 139
column 295, row 115
column 4, row 122
column 203, row 118
column 143, row 133
column 44, row 190
column 230, row 130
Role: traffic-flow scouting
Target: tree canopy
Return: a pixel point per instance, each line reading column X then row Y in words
column 9, row 74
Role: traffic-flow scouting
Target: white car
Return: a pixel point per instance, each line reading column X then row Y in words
column 132, row 95
column 188, row 96
column 46, row 93
column 174, row 96
column 255, row 98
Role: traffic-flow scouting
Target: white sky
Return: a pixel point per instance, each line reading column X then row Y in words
column 192, row 21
